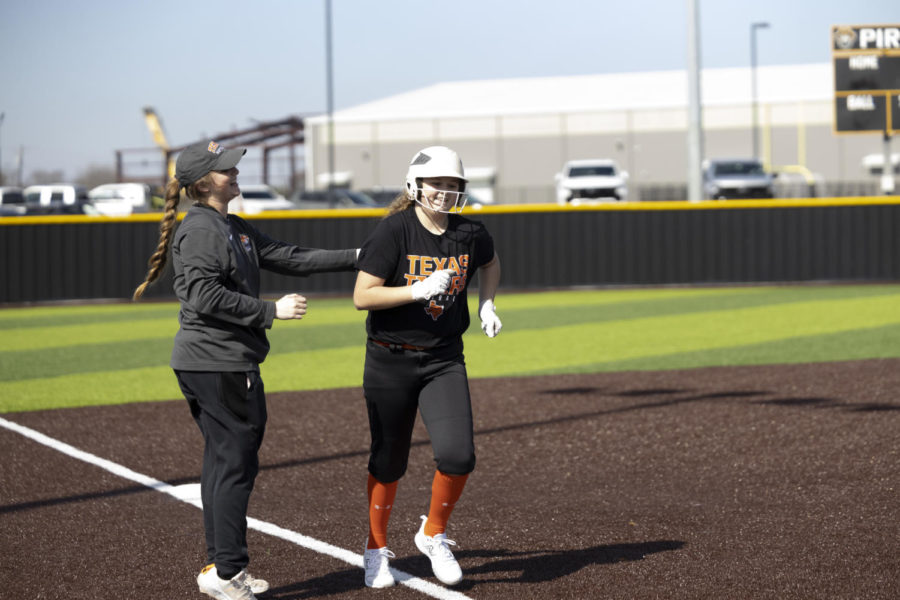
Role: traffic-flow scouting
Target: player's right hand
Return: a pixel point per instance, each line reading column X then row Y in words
column 433, row 285
column 292, row 306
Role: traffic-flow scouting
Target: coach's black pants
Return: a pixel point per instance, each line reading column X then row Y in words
column 230, row 409
column 397, row 384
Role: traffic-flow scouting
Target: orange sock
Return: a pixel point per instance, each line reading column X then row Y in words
column 381, row 501
column 445, row 492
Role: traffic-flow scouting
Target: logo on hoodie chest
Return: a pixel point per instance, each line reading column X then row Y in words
column 245, row 242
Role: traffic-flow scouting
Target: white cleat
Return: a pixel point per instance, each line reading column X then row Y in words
column 378, row 572
column 437, row 549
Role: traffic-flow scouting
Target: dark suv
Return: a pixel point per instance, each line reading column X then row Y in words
column 725, row 179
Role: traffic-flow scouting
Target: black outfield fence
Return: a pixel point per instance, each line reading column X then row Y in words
column 837, row 239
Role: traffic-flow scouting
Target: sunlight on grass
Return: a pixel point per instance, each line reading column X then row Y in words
column 544, row 332
column 554, row 348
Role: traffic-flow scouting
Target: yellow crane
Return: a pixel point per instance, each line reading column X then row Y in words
column 159, row 137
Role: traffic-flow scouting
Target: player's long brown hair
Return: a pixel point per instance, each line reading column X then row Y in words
column 167, row 228
column 399, row 204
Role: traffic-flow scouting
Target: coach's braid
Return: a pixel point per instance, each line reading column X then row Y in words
column 166, row 227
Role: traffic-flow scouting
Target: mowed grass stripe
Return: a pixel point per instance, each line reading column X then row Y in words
column 342, row 367
column 73, row 349
column 706, row 297
column 49, row 316
column 524, row 316
column 74, row 336
column 857, row 344
column 292, row 371
column 135, row 353
column 53, row 327
column 133, row 322
column 137, row 330
column 91, row 358
column 567, row 298
column 306, row 357
column 324, row 310
column 90, row 389
column 518, row 352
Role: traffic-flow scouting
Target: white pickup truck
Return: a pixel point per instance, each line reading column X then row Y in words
column 590, row 180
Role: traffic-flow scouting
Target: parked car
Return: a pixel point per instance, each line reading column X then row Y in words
column 56, row 199
column 12, row 201
column 121, row 199
column 255, row 198
column 591, row 180
column 383, row 196
column 739, row 178
column 337, row 198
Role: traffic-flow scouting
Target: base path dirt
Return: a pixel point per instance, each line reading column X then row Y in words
column 749, row 483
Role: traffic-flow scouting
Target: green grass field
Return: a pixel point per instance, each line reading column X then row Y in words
column 60, row 356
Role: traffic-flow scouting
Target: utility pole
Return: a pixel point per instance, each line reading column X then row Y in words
column 330, row 92
column 20, row 162
column 753, row 28
column 695, row 119
column 2, row 116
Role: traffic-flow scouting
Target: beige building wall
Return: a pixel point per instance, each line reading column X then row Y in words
column 527, row 150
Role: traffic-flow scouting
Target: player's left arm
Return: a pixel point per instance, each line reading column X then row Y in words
column 488, row 282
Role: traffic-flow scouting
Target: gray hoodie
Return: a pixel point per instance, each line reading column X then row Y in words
column 217, row 261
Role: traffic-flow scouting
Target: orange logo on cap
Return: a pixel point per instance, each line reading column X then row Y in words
column 213, row 146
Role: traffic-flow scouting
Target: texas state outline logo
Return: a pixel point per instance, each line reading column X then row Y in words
column 419, row 267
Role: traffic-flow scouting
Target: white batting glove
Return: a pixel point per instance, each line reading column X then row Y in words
column 433, row 285
column 490, row 322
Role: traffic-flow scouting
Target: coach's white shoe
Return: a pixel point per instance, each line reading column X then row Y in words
column 437, row 549
column 236, row 588
column 378, row 572
column 257, row 586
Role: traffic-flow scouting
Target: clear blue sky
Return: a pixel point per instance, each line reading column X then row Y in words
column 75, row 75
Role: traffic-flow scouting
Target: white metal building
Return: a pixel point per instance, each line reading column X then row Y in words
column 515, row 134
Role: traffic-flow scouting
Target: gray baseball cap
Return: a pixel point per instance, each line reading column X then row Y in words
column 198, row 159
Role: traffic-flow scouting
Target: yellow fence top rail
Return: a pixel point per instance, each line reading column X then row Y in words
column 493, row 209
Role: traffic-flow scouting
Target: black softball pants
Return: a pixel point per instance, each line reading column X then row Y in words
column 397, row 384
column 230, row 410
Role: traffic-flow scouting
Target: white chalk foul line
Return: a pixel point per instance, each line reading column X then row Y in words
column 187, row 494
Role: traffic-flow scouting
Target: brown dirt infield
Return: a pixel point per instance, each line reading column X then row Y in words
column 747, row 483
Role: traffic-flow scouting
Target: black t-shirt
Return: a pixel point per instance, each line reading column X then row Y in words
column 401, row 251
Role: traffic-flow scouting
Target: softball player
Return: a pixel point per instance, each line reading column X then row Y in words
column 414, row 270
column 217, row 258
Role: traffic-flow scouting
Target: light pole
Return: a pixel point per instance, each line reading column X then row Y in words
column 2, row 115
column 695, row 102
column 755, row 116
column 329, row 84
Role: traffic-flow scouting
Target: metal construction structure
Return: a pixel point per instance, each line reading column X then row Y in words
column 267, row 136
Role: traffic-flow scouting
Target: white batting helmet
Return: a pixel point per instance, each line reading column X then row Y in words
column 434, row 161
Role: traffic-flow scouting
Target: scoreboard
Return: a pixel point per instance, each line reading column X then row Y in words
column 866, row 61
